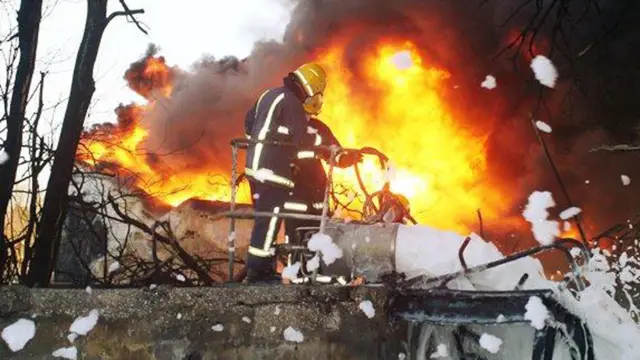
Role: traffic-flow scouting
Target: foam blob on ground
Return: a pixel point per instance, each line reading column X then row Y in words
column 293, row 335
column 83, row 324
column 70, row 353
column 18, row 334
column 490, row 343
column 367, row 308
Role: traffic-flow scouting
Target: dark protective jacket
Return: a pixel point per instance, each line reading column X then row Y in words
column 278, row 115
column 310, row 176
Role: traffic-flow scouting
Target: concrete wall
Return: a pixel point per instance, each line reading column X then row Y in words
column 176, row 323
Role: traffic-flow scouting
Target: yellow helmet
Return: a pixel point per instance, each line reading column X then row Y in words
column 313, row 79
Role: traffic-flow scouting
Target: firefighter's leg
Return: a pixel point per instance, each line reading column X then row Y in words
column 268, row 198
column 296, row 206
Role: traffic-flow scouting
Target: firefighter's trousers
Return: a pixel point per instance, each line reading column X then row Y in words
column 266, row 198
column 292, row 224
column 303, row 201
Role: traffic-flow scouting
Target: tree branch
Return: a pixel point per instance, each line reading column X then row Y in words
column 616, row 148
column 184, row 256
column 128, row 13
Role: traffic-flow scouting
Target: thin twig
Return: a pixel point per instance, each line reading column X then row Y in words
column 558, row 177
column 129, row 14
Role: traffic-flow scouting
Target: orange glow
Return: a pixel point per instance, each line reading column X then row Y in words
column 439, row 165
column 571, row 233
column 123, row 148
column 528, row 49
column 168, row 187
column 156, row 68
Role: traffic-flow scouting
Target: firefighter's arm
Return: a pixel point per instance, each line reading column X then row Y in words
column 325, row 133
column 344, row 159
column 320, row 134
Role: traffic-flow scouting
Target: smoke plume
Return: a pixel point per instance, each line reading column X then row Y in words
column 192, row 129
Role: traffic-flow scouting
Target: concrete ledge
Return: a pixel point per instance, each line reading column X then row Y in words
column 176, row 323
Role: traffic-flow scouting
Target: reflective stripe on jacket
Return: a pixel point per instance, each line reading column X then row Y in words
column 278, row 115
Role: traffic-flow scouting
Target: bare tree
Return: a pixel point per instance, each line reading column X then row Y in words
column 82, row 88
column 28, row 30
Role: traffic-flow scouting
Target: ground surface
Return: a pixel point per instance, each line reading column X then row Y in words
column 237, row 322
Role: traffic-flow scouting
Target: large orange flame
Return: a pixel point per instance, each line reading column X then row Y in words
column 439, row 165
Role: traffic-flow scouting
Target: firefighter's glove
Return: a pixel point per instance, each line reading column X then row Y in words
column 324, row 154
column 348, row 158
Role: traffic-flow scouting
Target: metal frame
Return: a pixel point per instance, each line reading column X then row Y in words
column 439, row 305
column 464, row 308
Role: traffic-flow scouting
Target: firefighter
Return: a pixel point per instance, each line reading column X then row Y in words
column 309, row 175
column 279, row 115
